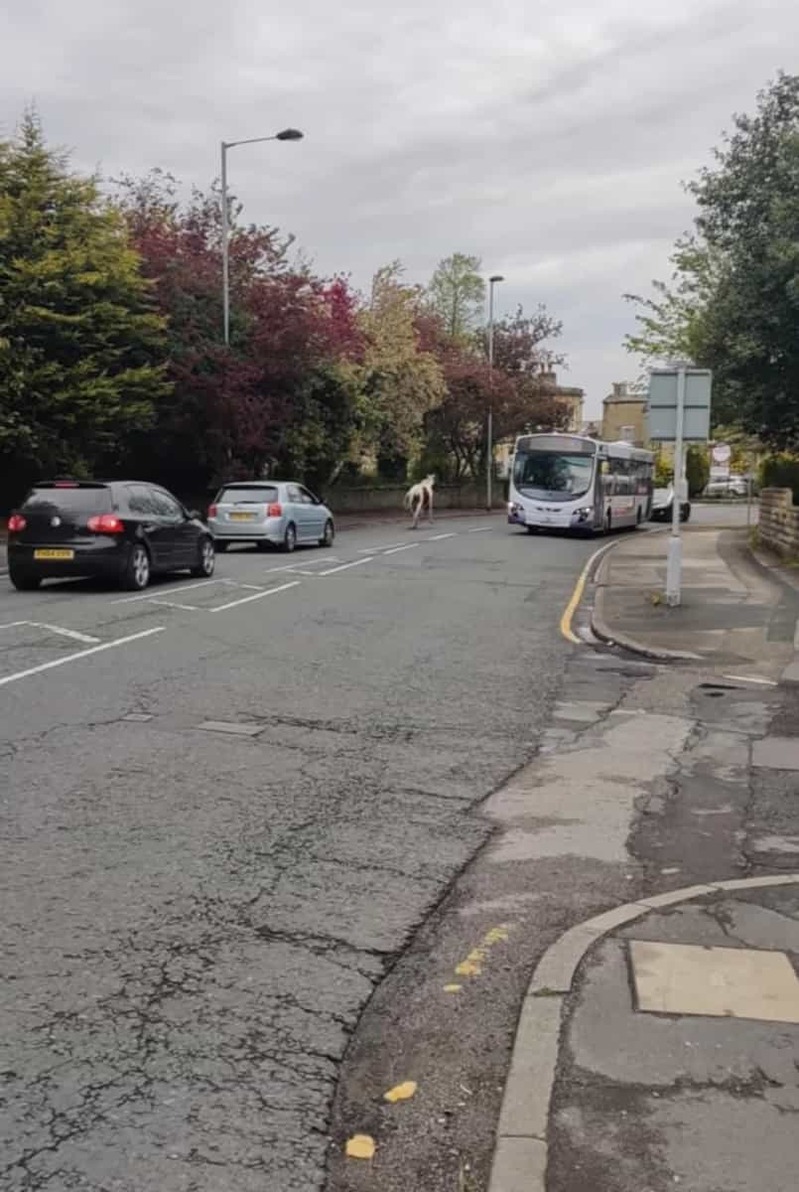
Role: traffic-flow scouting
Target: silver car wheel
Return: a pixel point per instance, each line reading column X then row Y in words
column 140, row 566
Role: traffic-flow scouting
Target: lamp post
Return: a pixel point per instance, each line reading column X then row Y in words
column 492, row 281
column 288, row 134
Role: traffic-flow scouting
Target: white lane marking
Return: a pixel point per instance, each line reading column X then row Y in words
column 480, row 530
column 186, row 608
column 293, row 566
column 221, row 608
column 367, row 550
column 751, row 679
column 176, row 588
column 440, row 537
column 73, row 633
column 397, row 549
column 346, row 566
column 45, row 666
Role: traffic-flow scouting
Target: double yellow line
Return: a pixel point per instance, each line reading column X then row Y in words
column 577, row 594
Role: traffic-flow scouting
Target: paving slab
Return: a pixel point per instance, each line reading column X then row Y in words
column 719, row 982
column 776, row 753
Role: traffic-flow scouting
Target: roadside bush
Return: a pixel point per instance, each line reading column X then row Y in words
column 697, row 470
column 780, row 471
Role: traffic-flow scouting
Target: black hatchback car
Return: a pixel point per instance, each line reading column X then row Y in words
column 120, row 530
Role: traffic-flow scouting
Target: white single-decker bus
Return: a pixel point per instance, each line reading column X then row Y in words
column 571, row 482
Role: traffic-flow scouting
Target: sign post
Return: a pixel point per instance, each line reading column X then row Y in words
column 674, row 562
column 678, row 411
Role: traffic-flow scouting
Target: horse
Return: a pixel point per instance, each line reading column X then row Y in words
column 418, row 497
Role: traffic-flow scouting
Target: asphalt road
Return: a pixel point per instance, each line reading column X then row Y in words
column 225, row 808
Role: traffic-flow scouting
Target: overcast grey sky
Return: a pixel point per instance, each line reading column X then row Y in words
column 549, row 137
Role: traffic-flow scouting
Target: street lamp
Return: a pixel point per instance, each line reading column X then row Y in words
column 288, row 134
column 492, row 281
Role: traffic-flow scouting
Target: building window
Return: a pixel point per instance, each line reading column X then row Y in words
column 628, row 434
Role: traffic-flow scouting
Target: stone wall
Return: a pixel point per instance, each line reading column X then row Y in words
column 778, row 522
column 447, row 496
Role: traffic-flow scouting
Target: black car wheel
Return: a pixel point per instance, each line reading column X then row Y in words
column 290, row 538
column 136, row 575
column 329, row 534
column 204, row 567
column 685, row 513
column 220, row 546
column 23, row 581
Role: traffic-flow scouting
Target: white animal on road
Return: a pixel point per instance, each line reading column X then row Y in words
column 420, row 497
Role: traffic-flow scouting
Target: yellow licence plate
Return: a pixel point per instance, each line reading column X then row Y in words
column 54, row 554
column 242, row 517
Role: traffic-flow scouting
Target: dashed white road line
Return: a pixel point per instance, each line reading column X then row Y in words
column 396, row 550
column 175, row 588
column 368, row 550
column 346, row 566
column 751, row 679
column 480, row 530
column 46, row 666
column 222, row 608
column 59, row 629
column 440, row 537
column 296, row 564
column 186, row 608
column 73, row 633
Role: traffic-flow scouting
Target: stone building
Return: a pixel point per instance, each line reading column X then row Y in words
column 624, row 415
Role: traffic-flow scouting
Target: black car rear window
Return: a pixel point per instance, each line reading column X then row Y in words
column 71, row 500
column 248, row 496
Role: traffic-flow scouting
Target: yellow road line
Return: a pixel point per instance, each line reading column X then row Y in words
column 577, row 595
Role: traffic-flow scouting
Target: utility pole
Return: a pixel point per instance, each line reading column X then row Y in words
column 492, row 281
column 288, row 134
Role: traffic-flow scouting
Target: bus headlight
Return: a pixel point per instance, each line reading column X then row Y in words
column 586, row 511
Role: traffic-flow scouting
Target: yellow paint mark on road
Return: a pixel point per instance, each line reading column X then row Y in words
column 497, row 935
column 577, row 595
column 400, row 1092
column 452, row 988
column 360, row 1146
column 472, row 966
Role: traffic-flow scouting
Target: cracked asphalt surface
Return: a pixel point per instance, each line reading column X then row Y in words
column 193, row 920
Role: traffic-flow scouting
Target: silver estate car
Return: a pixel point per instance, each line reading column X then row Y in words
column 269, row 513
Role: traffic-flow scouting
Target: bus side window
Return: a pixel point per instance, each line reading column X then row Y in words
column 607, row 478
column 624, row 478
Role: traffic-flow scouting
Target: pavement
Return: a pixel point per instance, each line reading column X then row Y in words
column 733, row 612
column 658, row 1041
column 356, row 845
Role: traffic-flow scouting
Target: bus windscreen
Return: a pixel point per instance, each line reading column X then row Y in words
column 553, row 476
